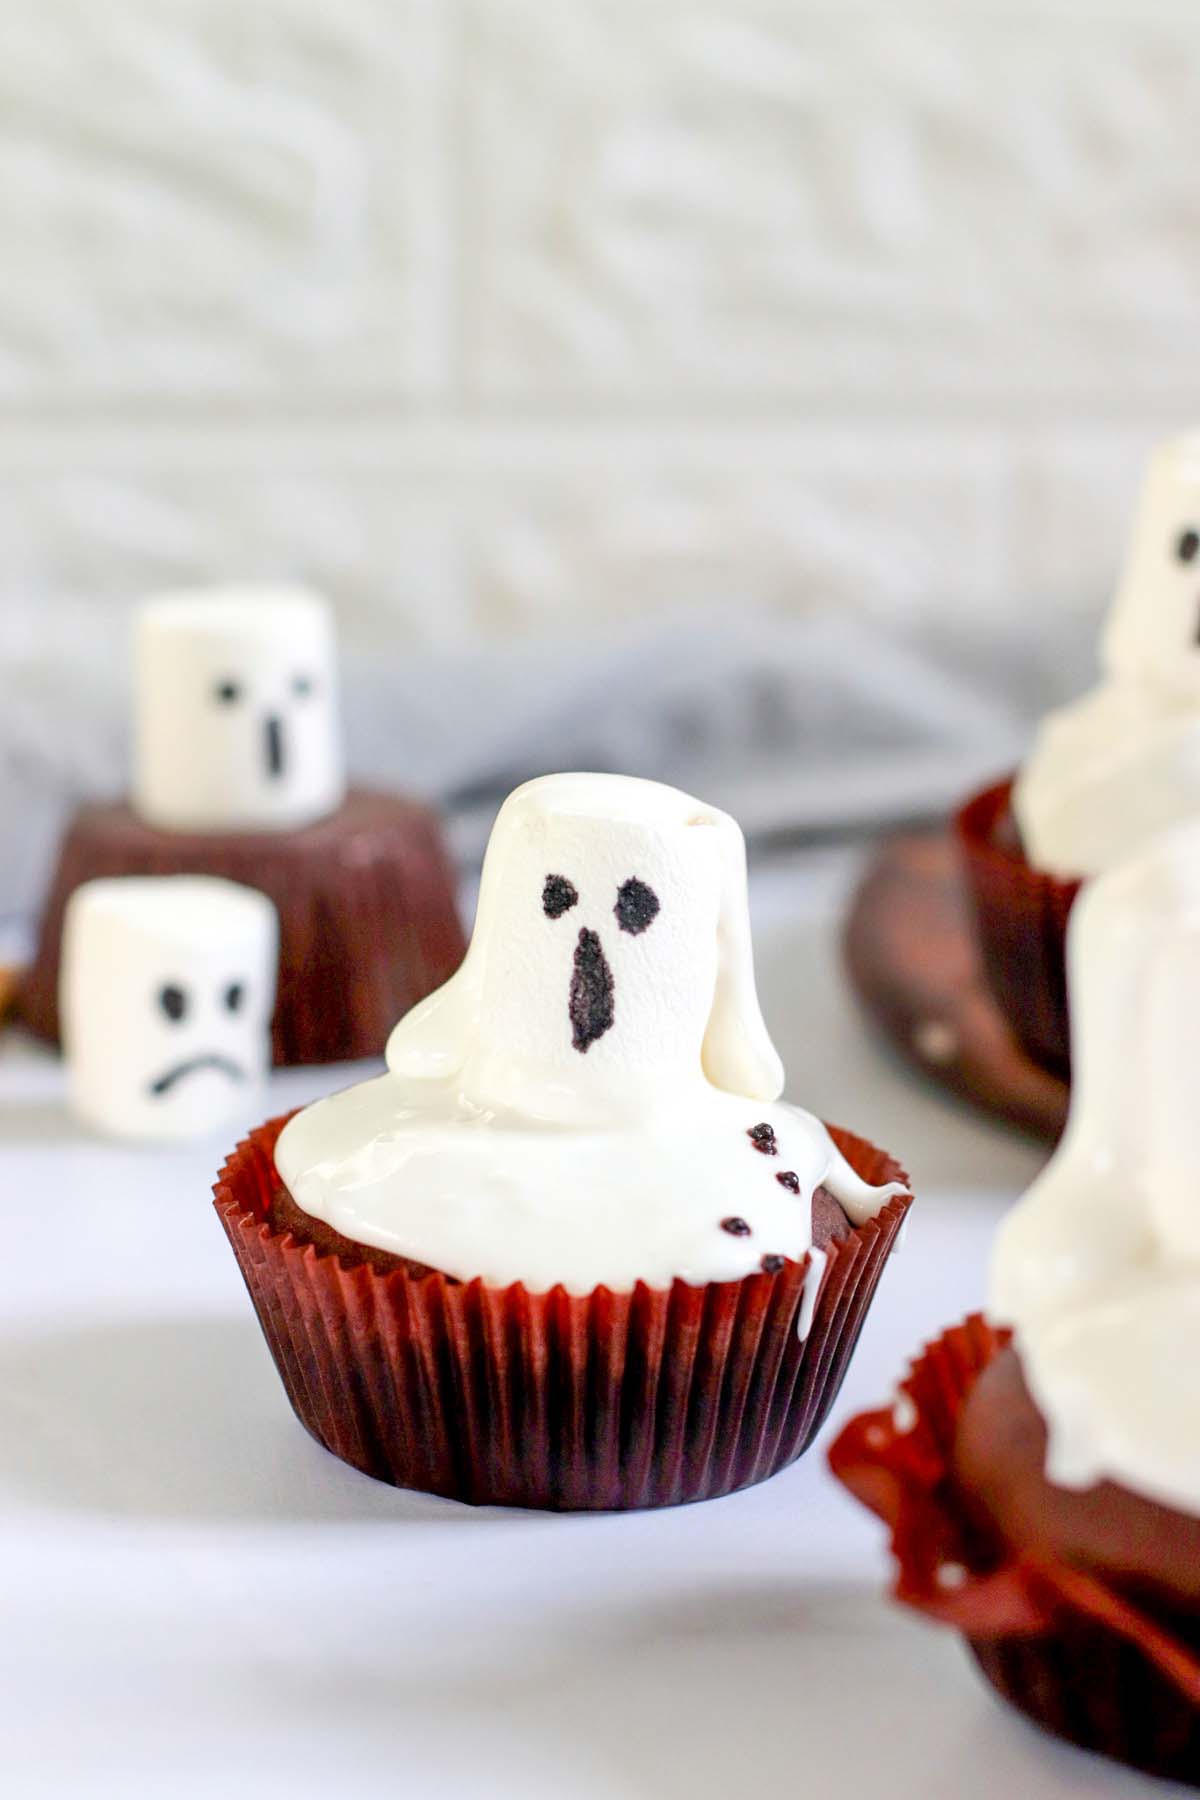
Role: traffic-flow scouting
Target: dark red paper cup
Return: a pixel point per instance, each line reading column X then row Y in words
column 1021, row 926
column 1060, row 1645
column 501, row 1397
column 366, row 903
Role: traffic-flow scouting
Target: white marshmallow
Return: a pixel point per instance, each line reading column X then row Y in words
column 610, row 960
column 167, row 988
column 1111, row 771
column 1152, row 636
column 1098, row 1268
column 592, row 1098
column 236, row 711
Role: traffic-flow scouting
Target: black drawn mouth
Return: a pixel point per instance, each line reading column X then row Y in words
column 273, row 730
column 590, row 1002
column 224, row 1064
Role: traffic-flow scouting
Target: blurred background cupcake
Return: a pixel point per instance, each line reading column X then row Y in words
column 1040, row 1474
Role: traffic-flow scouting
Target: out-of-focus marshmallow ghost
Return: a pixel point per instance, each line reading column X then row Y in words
column 1098, row 1268
column 592, row 1097
column 236, row 711
column 1110, row 772
column 167, row 991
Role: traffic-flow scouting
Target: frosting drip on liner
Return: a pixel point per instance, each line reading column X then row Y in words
column 1098, row 1268
column 1111, row 771
column 543, row 1125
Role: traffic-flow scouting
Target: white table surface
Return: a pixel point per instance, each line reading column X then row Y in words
column 197, row 1600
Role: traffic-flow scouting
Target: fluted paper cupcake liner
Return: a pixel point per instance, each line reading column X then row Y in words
column 1060, row 1645
column 367, row 915
column 1021, row 927
column 501, row 1396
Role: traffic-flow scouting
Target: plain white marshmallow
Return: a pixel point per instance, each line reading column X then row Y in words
column 236, row 711
column 167, row 988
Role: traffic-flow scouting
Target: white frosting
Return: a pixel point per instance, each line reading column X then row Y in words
column 166, row 990
column 236, row 714
column 1110, row 772
column 1098, row 1268
column 574, row 1105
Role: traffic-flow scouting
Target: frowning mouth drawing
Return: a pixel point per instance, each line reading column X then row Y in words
column 225, row 1065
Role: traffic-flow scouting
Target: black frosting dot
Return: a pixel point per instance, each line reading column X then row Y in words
column 735, row 1227
column 558, row 896
column 1188, row 545
column 771, row 1265
column 637, row 906
column 789, row 1179
column 763, row 1139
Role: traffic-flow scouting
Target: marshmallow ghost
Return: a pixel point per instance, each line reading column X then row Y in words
column 167, row 990
column 610, row 961
column 592, row 1098
column 1123, row 764
column 1098, row 1268
column 236, row 711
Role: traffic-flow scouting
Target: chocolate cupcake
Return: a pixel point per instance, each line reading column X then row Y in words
column 1041, row 1475
column 238, row 774
column 1106, row 774
column 571, row 1251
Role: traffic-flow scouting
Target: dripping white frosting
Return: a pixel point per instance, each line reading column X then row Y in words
column 1098, row 1268
column 575, row 1106
column 1111, row 771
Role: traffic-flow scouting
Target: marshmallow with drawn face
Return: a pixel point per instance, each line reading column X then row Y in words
column 236, row 711
column 610, row 962
column 593, row 1098
column 1152, row 636
column 1098, row 1268
column 167, row 991
column 1110, row 772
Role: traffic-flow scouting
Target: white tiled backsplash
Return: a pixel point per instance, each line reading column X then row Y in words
column 486, row 314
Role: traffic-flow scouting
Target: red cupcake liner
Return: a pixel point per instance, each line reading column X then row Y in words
column 366, row 903
column 1021, row 925
column 1060, row 1645
column 497, row 1396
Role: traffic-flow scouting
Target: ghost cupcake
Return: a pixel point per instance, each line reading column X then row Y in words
column 571, row 1250
column 1041, row 1473
column 1105, row 775
column 238, row 773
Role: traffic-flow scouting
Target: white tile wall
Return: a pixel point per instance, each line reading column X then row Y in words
column 489, row 314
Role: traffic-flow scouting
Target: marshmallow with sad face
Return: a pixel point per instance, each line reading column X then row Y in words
column 1123, row 763
column 167, row 991
column 236, row 711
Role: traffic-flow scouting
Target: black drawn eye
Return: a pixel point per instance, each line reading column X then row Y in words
column 234, row 996
column 228, row 692
column 302, row 686
column 637, row 906
column 1188, row 545
column 173, row 1001
column 558, row 896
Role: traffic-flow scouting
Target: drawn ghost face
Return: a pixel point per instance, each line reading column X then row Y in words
column 1153, row 632
column 167, row 990
column 610, row 970
column 237, row 717
column 597, row 940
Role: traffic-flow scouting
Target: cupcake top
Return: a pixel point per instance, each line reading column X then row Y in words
column 1098, row 1269
column 593, row 1099
column 1109, row 772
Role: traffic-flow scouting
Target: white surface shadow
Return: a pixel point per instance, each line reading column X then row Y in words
column 177, row 1420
